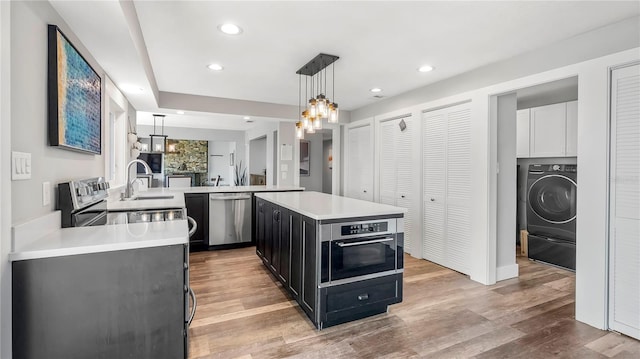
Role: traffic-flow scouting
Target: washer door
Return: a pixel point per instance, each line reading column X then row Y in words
column 553, row 198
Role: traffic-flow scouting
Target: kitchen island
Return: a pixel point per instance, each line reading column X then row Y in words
column 340, row 258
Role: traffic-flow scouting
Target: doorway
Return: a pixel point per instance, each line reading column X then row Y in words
column 258, row 161
column 316, row 161
column 536, row 131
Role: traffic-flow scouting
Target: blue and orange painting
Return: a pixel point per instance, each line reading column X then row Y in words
column 79, row 100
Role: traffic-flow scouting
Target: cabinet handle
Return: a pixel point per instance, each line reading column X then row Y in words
column 402, row 196
column 194, row 226
column 192, row 294
column 432, row 199
column 365, row 191
column 363, row 296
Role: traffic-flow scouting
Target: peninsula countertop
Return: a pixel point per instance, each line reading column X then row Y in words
column 322, row 206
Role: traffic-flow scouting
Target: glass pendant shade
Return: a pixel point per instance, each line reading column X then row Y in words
column 311, row 128
column 333, row 113
column 313, row 109
column 317, row 124
column 321, row 105
column 299, row 130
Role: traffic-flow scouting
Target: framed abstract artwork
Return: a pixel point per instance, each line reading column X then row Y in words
column 75, row 97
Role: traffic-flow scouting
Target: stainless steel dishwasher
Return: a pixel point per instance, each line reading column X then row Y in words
column 229, row 218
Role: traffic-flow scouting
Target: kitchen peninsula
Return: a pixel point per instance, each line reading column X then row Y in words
column 340, row 258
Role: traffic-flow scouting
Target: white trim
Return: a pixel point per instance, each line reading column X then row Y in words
column 507, row 272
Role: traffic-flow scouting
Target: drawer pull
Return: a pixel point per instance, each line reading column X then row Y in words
column 363, row 296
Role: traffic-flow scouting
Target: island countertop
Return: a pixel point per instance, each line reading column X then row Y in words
column 322, row 206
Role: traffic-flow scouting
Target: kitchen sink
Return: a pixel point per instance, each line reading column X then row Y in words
column 140, row 198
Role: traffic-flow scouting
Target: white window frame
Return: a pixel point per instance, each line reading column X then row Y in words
column 115, row 139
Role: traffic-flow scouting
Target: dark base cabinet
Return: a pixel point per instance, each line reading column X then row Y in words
column 198, row 208
column 348, row 302
column 287, row 243
column 120, row 304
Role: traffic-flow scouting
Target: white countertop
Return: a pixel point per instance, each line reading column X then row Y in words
column 232, row 189
column 321, row 206
column 83, row 240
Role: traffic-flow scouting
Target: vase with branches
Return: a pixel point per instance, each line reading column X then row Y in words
column 240, row 174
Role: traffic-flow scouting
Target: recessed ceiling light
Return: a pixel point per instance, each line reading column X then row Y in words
column 246, row 118
column 376, row 89
column 215, row 67
column 180, row 112
column 230, row 29
column 425, row 68
column 133, row 89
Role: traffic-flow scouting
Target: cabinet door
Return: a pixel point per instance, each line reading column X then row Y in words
column 268, row 232
column 285, row 245
column 522, row 133
column 572, row 129
column 198, row 208
column 295, row 276
column 260, row 220
column 548, row 131
column 275, row 239
column 434, row 167
column 308, row 301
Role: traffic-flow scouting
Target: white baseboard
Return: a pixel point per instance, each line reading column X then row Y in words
column 507, row 272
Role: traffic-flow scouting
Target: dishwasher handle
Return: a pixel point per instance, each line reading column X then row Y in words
column 194, row 226
column 230, row 198
column 194, row 302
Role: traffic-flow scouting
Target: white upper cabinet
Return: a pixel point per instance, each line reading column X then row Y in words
column 548, row 131
column 572, row 129
column 522, row 133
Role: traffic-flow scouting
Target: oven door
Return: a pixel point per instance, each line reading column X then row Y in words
column 361, row 256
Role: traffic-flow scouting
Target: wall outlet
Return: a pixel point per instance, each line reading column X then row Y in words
column 46, row 193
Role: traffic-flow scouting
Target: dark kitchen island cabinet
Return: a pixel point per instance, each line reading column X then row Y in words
column 341, row 259
column 198, row 208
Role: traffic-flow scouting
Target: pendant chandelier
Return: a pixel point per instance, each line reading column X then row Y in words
column 158, row 140
column 319, row 107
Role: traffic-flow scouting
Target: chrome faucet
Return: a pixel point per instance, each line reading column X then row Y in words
column 128, row 192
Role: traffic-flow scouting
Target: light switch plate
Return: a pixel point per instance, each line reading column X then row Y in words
column 20, row 165
column 46, row 193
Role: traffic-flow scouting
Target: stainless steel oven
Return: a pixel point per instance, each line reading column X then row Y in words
column 360, row 250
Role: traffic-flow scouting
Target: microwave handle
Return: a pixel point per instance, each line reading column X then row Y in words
column 342, row 244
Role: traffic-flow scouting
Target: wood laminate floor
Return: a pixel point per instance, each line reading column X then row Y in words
column 243, row 312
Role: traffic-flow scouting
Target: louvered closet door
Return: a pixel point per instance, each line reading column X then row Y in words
column 406, row 173
column 624, row 264
column 447, row 186
column 388, row 136
column 396, row 172
column 434, row 143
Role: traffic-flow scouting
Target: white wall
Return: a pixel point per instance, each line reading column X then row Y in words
column 264, row 130
column 287, row 137
column 5, row 180
column 327, row 171
column 313, row 182
column 506, row 266
column 258, row 156
column 29, row 111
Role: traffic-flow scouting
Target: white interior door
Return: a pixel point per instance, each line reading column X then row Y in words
column 434, row 142
column 446, row 141
column 360, row 163
column 389, row 136
column 405, row 174
column 624, row 209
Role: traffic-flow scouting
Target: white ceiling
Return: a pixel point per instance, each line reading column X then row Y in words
column 380, row 43
column 204, row 120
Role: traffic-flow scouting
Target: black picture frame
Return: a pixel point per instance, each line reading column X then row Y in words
column 74, row 97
